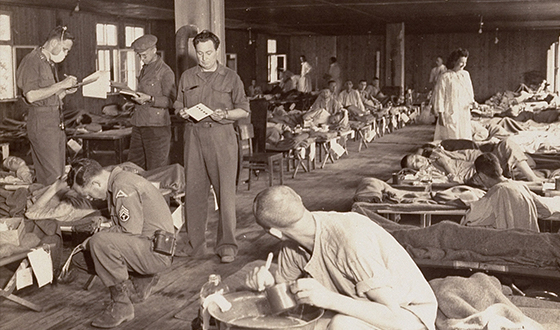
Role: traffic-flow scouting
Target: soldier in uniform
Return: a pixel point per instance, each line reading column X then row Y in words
column 137, row 210
column 151, row 130
column 211, row 148
column 43, row 91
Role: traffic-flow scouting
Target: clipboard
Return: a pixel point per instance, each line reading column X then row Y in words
column 129, row 93
column 84, row 82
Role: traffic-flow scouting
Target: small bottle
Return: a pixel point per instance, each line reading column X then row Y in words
column 214, row 285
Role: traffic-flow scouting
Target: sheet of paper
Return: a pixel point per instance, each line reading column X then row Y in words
column 337, row 148
column 199, row 111
column 177, row 217
column 99, row 88
column 41, row 263
column 24, row 278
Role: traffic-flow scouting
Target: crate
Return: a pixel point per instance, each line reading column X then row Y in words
column 12, row 236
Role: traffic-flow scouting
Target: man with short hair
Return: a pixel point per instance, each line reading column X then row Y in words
column 137, row 210
column 151, row 125
column 459, row 167
column 370, row 102
column 43, row 92
column 334, row 73
column 211, row 148
column 437, row 71
column 345, row 263
column 507, row 204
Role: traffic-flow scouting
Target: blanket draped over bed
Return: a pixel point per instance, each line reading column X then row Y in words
column 450, row 241
column 476, row 302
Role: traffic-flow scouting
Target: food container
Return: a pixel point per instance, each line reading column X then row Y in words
column 280, row 298
column 251, row 310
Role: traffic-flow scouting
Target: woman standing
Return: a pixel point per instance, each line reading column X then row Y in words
column 304, row 84
column 453, row 98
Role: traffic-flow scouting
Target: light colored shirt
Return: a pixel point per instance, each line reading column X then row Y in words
column 452, row 98
column 353, row 255
column 508, row 204
column 436, row 72
column 353, row 97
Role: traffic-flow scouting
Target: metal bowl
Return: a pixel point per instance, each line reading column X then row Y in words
column 251, row 310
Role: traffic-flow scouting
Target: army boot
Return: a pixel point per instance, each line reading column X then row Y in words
column 143, row 287
column 120, row 308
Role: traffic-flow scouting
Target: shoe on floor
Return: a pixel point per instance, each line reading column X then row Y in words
column 227, row 255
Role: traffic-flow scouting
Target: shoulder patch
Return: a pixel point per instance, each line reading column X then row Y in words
column 124, row 214
column 120, row 194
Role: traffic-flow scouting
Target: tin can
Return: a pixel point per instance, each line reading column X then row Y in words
column 557, row 183
column 396, row 178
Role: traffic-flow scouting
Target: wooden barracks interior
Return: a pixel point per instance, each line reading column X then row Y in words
column 511, row 43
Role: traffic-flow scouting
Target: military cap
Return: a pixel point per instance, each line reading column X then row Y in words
column 144, row 43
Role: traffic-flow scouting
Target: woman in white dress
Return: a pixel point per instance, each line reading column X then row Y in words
column 453, row 98
column 304, row 83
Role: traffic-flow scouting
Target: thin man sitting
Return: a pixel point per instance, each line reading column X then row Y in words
column 345, row 263
column 137, row 210
column 507, row 204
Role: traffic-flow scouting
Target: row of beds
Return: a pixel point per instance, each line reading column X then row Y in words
column 447, row 245
column 320, row 147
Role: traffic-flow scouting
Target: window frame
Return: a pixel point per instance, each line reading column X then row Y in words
column 13, row 69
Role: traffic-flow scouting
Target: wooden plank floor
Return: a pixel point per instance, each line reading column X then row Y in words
column 331, row 188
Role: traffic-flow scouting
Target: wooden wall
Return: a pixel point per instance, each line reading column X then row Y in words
column 31, row 26
column 237, row 42
column 356, row 56
column 493, row 67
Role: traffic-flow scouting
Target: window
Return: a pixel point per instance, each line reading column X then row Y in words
column 132, row 33
column 107, row 49
column 276, row 62
column 121, row 63
column 7, row 68
column 130, row 64
column 553, row 67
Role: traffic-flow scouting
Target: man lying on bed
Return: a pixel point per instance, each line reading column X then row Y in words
column 458, row 165
column 507, row 204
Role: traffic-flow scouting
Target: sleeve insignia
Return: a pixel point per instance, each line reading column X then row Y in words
column 120, row 193
column 124, row 214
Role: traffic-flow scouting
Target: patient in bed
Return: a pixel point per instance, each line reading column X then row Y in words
column 458, row 165
column 507, row 204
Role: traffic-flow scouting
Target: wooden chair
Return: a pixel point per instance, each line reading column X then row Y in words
column 258, row 161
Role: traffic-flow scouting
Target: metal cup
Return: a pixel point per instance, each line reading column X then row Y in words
column 396, row 178
column 280, row 298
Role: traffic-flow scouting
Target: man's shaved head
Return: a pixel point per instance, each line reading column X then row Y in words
column 278, row 206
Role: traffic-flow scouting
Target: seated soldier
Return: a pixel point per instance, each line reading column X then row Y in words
column 138, row 210
column 370, row 102
column 351, row 100
column 507, row 204
column 326, row 111
column 344, row 263
column 458, row 165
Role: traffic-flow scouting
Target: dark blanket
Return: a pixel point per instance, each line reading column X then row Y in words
column 450, row 241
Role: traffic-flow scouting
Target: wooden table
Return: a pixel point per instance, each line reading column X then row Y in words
column 120, row 139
